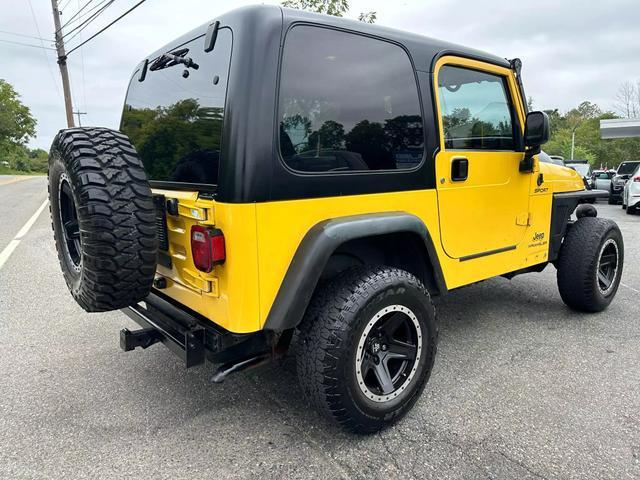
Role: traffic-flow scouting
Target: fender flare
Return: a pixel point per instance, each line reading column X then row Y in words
column 562, row 206
column 320, row 242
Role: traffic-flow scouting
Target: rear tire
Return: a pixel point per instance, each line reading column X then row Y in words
column 349, row 365
column 590, row 264
column 103, row 218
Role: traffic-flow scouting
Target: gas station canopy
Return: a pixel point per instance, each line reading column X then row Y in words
column 620, row 128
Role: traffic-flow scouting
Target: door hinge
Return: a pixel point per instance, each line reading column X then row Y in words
column 523, row 219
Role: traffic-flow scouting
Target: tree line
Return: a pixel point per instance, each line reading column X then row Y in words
column 17, row 127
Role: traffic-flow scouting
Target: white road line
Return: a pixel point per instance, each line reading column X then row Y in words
column 8, row 250
column 630, row 288
column 23, row 231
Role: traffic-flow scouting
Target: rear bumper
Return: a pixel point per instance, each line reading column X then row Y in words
column 190, row 337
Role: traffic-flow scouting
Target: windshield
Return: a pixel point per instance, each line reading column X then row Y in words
column 627, row 168
column 581, row 168
column 174, row 116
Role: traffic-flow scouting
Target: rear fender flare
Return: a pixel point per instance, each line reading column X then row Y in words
column 317, row 246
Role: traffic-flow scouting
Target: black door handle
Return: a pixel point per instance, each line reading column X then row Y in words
column 459, row 169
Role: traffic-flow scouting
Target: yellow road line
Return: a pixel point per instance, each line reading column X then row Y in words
column 20, row 178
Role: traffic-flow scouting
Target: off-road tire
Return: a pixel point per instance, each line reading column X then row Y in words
column 113, row 265
column 578, row 263
column 335, row 321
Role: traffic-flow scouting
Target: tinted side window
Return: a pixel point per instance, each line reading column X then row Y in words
column 347, row 103
column 475, row 110
column 174, row 117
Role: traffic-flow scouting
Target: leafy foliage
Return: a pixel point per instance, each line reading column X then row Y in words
column 336, row 8
column 585, row 119
column 17, row 126
column 329, row 7
column 170, row 139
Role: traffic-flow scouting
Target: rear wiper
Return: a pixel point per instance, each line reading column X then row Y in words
column 169, row 60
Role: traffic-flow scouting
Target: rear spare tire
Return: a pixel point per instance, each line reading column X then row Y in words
column 103, row 218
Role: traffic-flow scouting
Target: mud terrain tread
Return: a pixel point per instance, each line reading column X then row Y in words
column 325, row 330
column 116, row 216
column 577, row 263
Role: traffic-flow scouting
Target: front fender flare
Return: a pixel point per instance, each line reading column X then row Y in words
column 318, row 245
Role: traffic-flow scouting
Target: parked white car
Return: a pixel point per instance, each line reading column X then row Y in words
column 631, row 193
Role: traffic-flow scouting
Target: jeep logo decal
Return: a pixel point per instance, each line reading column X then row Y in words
column 538, row 236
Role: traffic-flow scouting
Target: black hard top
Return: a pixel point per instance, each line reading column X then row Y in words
column 422, row 49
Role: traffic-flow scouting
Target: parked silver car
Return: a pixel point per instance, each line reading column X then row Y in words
column 602, row 179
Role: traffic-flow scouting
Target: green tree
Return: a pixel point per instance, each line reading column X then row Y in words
column 17, row 124
column 584, row 120
column 336, row 8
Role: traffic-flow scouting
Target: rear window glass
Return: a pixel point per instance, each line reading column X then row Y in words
column 347, row 103
column 627, row 168
column 581, row 168
column 174, row 117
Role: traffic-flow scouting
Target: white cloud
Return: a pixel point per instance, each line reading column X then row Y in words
column 571, row 50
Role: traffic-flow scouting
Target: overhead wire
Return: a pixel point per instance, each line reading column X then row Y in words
column 85, row 23
column 26, row 44
column 84, row 83
column 23, row 35
column 65, row 5
column 78, row 16
column 107, row 27
column 44, row 49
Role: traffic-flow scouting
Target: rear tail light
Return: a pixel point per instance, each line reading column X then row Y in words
column 636, row 179
column 207, row 247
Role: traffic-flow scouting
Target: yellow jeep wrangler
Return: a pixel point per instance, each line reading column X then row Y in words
column 280, row 171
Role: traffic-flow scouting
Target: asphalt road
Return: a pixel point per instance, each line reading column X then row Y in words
column 522, row 388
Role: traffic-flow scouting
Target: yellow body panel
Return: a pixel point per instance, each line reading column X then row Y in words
column 229, row 295
column 496, row 207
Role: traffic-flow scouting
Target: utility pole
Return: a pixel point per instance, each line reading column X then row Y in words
column 78, row 113
column 62, row 62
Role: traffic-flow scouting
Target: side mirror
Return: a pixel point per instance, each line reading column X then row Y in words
column 536, row 129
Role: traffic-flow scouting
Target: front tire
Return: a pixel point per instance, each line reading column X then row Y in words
column 367, row 347
column 590, row 264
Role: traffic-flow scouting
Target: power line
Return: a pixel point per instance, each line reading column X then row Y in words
column 23, row 35
column 84, row 83
column 80, row 9
column 25, row 44
column 109, row 25
column 86, row 22
column 46, row 57
column 65, row 5
column 75, row 16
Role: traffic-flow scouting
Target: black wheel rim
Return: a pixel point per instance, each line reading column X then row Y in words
column 69, row 223
column 607, row 266
column 388, row 353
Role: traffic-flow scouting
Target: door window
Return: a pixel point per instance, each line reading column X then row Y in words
column 475, row 110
